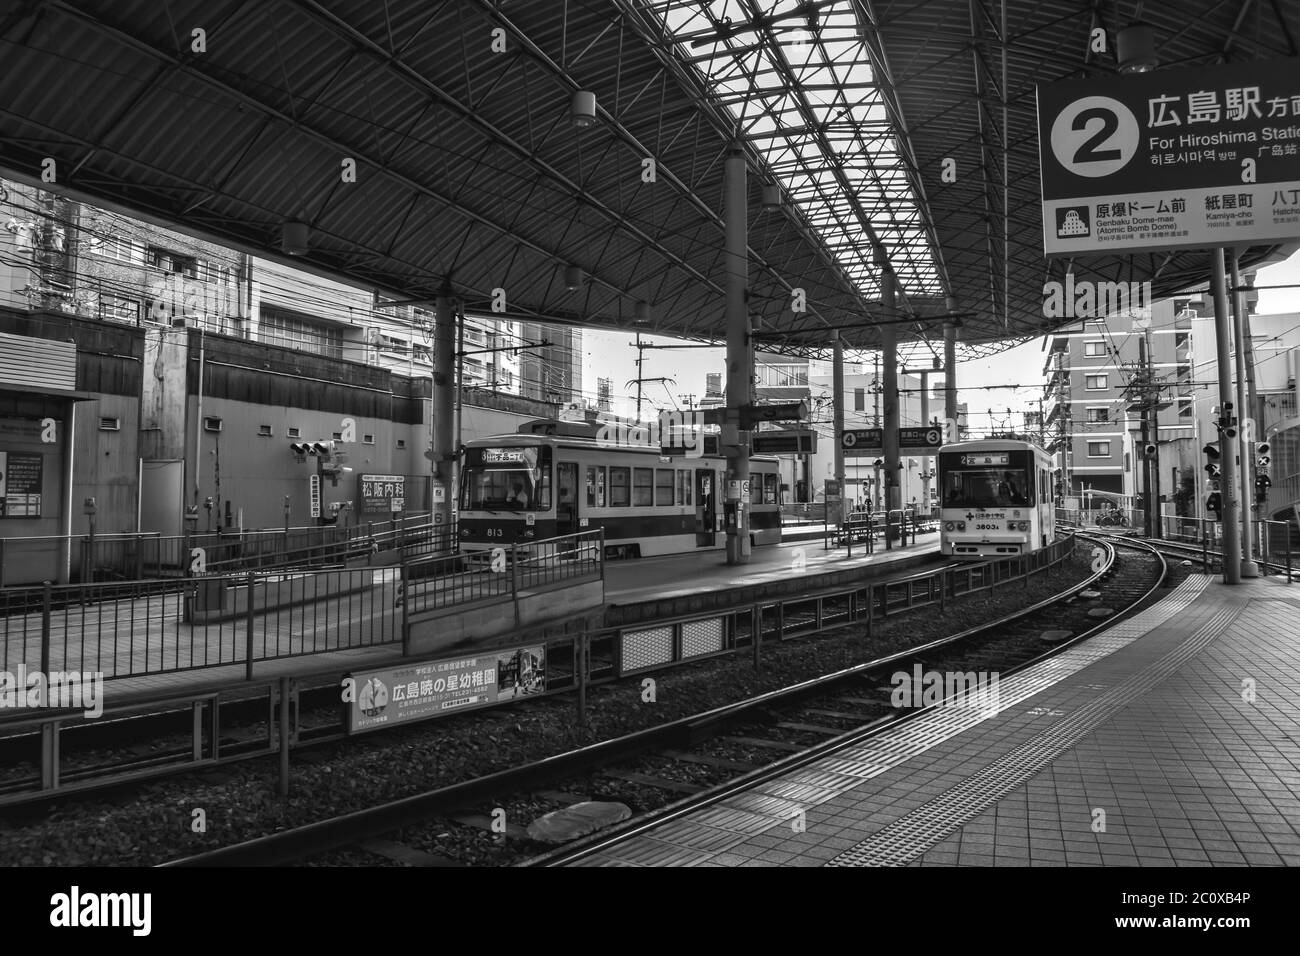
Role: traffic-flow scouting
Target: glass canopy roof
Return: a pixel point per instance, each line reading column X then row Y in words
column 799, row 80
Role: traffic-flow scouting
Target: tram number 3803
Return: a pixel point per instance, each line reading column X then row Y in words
column 986, row 527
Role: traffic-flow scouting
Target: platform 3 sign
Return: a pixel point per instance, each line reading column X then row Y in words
column 430, row 689
column 1174, row 158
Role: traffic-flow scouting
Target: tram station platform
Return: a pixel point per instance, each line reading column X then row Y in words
column 1173, row 739
column 639, row 588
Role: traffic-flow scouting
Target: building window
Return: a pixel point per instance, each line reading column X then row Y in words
column 110, row 424
column 264, row 431
column 290, row 332
column 117, row 309
column 1094, row 348
column 859, row 399
column 683, row 487
column 1185, row 407
column 295, row 432
column 367, row 439
column 337, row 436
column 169, row 261
column 1096, row 383
column 120, row 248
column 401, row 443
column 1098, row 449
column 1098, row 415
column 211, row 424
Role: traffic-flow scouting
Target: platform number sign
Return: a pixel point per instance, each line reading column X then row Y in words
column 1095, row 136
column 1179, row 158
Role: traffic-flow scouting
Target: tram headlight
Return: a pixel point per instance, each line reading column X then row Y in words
column 1023, row 525
column 948, row 526
column 1011, row 526
column 961, row 526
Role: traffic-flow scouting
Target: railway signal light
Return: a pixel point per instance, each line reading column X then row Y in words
column 1214, row 503
column 1150, row 450
column 1226, row 423
column 1212, row 459
column 1262, row 484
column 1262, row 457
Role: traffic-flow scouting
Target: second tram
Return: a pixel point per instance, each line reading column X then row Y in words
column 996, row 498
column 555, row 478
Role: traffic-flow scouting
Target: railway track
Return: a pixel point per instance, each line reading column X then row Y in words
column 694, row 760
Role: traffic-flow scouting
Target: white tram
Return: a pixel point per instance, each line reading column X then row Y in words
column 995, row 498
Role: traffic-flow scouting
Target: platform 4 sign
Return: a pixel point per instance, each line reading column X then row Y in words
column 1201, row 157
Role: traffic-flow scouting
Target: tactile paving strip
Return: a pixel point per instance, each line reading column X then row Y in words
column 913, row 834
column 850, row 767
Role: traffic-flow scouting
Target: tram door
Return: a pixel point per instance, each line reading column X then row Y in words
column 705, row 508
column 566, row 504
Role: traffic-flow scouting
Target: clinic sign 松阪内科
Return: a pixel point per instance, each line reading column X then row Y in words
column 1173, row 158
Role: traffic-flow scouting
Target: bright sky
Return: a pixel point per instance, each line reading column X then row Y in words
column 982, row 384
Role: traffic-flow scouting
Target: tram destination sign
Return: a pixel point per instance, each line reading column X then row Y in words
column 1173, row 158
column 861, row 442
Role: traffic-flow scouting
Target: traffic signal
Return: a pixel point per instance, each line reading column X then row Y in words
column 1214, row 503
column 1262, row 484
column 1150, row 449
column 1227, row 424
column 866, row 487
column 317, row 449
column 1262, row 457
column 1212, row 459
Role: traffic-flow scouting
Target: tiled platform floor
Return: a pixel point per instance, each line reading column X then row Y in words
column 1172, row 739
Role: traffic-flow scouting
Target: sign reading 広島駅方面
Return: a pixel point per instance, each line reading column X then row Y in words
column 1174, row 158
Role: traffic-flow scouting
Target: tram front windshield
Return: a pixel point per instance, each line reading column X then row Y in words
column 506, row 479
column 988, row 480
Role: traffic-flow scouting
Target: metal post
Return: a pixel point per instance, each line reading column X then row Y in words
column 248, row 636
column 285, row 717
column 837, row 413
column 1229, row 490
column 950, row 370
column 926, row 460
column 889, row 363
column 580, row 672
column 405, row 585
column 444, row 451
column 1249, row 569
column 46, row 596
column 756, row 634
column 740, row 357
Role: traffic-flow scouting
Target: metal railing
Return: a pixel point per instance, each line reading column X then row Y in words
column 151, row 556
column 900, row 524
column 573, row 663
column 136, row 628
column 432, row 584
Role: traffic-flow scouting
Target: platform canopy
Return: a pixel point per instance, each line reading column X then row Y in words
column 457, row 114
